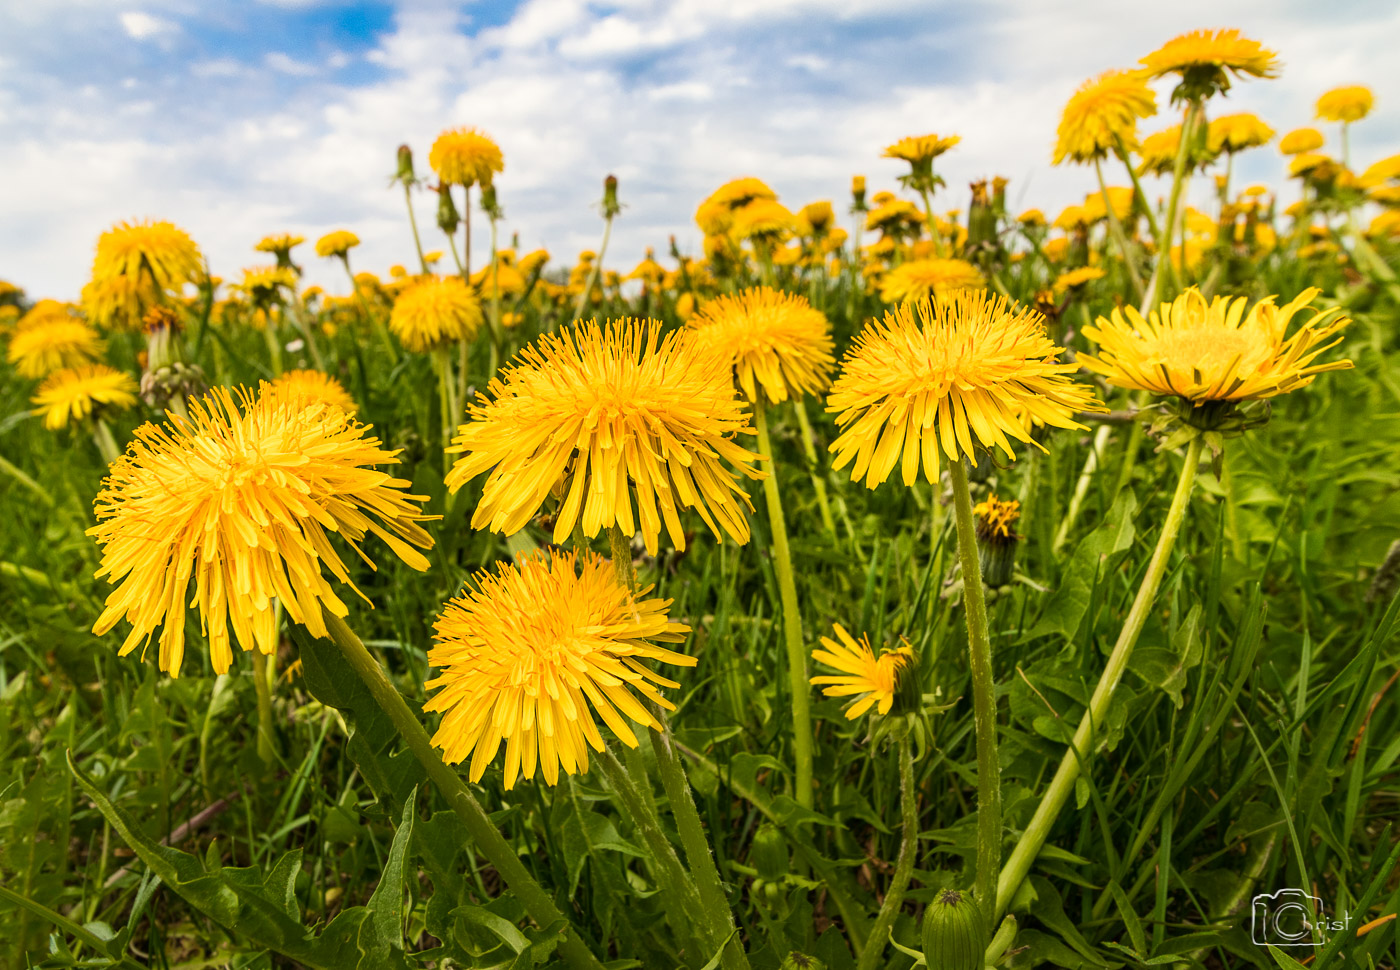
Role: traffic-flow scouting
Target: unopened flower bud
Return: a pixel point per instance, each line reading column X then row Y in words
column 447, row 218
column 611, row 206
column 405, row 173
column 955, row 932
column 769, row 853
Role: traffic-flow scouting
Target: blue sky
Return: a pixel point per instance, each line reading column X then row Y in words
column 239, row 119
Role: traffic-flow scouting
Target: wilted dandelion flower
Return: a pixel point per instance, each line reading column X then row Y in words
column 530, row 656
column 1215, row 351
column 1346, row 104
column 52, row 345
column 435, row 311
column 465, row 156
column 1206, row 59
column 315, row 387
column 336, row 243
column 1103, row 110
column 1237, row 132
column 869, row 678
column 775, row 341
column 922, row 279
column 241, row 498
column 74, row 393
column 948, row 375
column 600, row 415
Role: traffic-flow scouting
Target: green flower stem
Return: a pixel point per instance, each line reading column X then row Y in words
column 442, row 363
column 809, row 448
column 262, row 673
column 594, row 271
column 15, row 472
column 677, row 787
column 485, row 836
column 274, row 347
column 102, row 437
column 983, row 689
column 670, row 873
column 932, row 222
column 792, row 616
column 1019, row 863
column 1115, row 229
column 1122, row 151
column 371, row 319
column 870, row 957
column 413, row 223
column 1179, row 180
column 466, row 232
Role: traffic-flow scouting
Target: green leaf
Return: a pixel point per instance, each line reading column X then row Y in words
column 1093, row 558
column 386, row 903
column 1284, row 960
column 373, row 739
column 1165, row 668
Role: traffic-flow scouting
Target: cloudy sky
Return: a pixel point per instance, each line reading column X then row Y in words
column 235, row 119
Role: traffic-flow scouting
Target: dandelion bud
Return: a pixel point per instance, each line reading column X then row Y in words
column 999, row 193
column 800, row 961
column 489, row 205
column 955, row 932
column 769, row 854
column 611, row 207
column 996, row 541
column 405, row 173
column 858, row 193
column 447, row 218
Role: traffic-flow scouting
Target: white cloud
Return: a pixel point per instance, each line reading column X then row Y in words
column 144, row 26
column 284, row 63
column 802, row 93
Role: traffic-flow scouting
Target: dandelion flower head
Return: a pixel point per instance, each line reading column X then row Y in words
column 871, row 679
column 241, row 498
column 922, row 279
column 336, row 243
column 534, row 652
column 1102, row 112
column 1346, row 104
column 74, row 393
column 465, row 156
column 53, row 344
column 435, row 311
column 775, row 341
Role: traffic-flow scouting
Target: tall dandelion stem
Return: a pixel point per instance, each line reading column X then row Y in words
column 102, row 437
column 792, row 617
column 1019, row 862
column 413, row 224
column 983, row 688
column 486, row 837
column 262, row 672
column 904, row 863
column 593, row 270
column 1179, row 180
column 1115, row 229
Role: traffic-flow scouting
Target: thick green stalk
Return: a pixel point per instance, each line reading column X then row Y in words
column 677, row 787
column 792, row 616
column 870, row 957
column 1115, row 229
column 1019, row 863
column 485, row 836
column 102, row 437
column 809, row 448
column 984, row 706
column 932, row 222
column 267, row 749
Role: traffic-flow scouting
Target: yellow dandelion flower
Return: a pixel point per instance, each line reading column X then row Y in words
column 336, row 243
column 894, row 215
column 1103, row 111
column 1072, row 218
column 921, row 279
column 533, row 261
column 1301, row 140
column 40, row 350
column 602, row 415
column 465, row 156
column 315, row 387
column 534, row 652
column 774, row 341
column 1158, row 153
column 934, row 374
column 1214, row 351
column 1237, row 132
column 505, row 277
column 920, row 150
column 1122, row 198
column 241, row 498
column 46, row 312
column 1385, row 225
column 1076, row 278
column 432, row 256
column 1032, row 219
column 995, row 518
column 160, row 251
column 763, row 218
column 1205, row 60
column 871, row 679
column 816, row 219
column 76, row 392
column 737, row 193
column 1314, row 165
column 1386, row 195
column 267, row 284
column 1382, row 171
column 434, row 312
column 1056, row 250
column 649, row 271
column 282, row 242
column 118, row 302
column 1346, row 104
